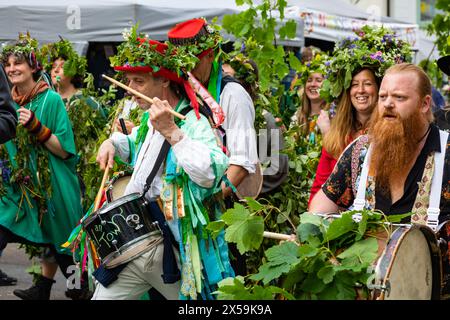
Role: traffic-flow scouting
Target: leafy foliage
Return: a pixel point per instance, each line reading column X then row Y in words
column 136, row 50
column 74, row 65
column 373, row 47
column 440, row 26
column 330, row 261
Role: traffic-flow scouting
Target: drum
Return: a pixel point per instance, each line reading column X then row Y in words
column 409, row 268
column 251, row 185
column 117, row 185
column 443, row 235
column 121, row 230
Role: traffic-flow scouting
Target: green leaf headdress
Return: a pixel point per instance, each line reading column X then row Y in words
column 25, row 46
column 318, row 64
column 74, row 64
column 375, row 48
column 138, row 53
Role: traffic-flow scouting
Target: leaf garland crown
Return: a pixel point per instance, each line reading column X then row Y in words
column 318, row 64
column 374, row 47
column 25, row 45
column 74, row 64
column 135, row 51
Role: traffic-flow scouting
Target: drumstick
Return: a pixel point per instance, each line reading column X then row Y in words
column 140, row 95
column 98, row 198
column 276, row 236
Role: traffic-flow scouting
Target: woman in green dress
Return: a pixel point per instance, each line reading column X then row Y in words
column 87, row 116
column 40, row 200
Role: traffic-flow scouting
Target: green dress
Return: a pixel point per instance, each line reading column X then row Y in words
column 64, row 205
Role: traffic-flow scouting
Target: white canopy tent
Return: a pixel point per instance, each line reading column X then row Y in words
column 84, row 21
column 332, row 20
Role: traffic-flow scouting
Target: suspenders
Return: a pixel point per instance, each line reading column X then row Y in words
column 435, row 194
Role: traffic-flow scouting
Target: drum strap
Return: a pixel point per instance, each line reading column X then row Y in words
column 360, row 200
column 158, row 162
column 436, row 183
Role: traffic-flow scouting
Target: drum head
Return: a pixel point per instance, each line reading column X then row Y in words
column 251, row 185
column 117, row 185
column 408, row 266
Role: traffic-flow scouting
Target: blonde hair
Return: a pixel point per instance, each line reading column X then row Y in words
column 304, row 113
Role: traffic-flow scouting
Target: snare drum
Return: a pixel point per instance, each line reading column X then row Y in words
column 121, row 230
column 117, row 185
column 409, row 267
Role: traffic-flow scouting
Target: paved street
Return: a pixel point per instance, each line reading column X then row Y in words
column 14, row 262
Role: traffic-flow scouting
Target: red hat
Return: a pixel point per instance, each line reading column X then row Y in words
column 188, row 32
column 162, row 72
column 193, row 32
column 156, row 45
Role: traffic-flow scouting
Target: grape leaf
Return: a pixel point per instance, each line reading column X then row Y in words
column 243, row 229
column 360, row 255
column 215, row 227
column 326, row 273
column 280, row 260
column 339, row 227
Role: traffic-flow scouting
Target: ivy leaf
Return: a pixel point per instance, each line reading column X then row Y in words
column 289, row 30
column 340, row 227
column 280, row 259
column 243, row 229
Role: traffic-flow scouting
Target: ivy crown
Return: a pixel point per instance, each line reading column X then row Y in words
column 137, row 51
column 376, row 48
column 74, row 64
column 24, row 46
column 318, row 64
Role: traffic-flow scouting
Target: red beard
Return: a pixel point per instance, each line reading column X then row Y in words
column 394, row 144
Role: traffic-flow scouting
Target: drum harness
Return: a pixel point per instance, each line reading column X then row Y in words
column 435, row 194
column 433, row 210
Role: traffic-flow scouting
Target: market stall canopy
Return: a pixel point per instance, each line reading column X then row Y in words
column 333, row 20
column 105, row 20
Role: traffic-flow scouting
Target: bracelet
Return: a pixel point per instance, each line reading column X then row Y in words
column 35, row 127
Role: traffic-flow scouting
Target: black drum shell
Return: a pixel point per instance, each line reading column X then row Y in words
column 125, row 221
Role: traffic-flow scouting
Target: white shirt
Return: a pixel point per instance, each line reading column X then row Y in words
column 239, row 126
column 193, row 156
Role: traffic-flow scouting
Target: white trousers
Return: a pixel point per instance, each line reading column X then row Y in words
column 141, row 274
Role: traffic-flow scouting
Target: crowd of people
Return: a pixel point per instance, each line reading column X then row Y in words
column 365, row 105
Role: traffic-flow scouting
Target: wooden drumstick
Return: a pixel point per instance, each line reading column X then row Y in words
column 140, row 95
column 98, row 198
column 276, row 236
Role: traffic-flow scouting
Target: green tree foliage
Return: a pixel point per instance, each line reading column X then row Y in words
column 255, row 30
column 440, row 26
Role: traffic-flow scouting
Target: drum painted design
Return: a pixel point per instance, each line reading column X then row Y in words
column 120, row 229
column 117, row 185
column 409, row 268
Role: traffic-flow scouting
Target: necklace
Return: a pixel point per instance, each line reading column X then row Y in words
column 428, row 130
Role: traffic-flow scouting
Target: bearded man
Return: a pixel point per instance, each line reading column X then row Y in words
column 397, row 168
column 404, row 147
